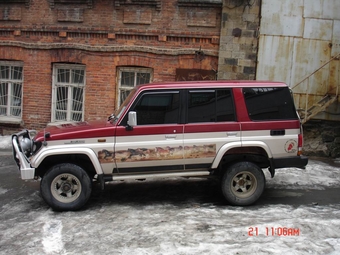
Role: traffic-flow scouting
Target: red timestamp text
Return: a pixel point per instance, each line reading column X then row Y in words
column 274, row 231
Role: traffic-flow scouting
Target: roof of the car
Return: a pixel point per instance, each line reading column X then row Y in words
column 207, row 84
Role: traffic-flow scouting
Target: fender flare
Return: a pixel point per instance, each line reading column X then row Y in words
column 260, row 144
column 232, row 145
column 62, row 151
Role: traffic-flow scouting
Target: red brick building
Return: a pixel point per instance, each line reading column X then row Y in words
column 71, row 60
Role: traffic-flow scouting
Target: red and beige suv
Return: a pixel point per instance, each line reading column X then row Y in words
column 228, row 130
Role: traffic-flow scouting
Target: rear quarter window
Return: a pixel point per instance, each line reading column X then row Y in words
column 269, row 103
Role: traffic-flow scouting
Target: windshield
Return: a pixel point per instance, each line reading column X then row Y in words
column 122, row 107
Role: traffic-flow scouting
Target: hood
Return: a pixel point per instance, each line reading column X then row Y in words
column 77, row 130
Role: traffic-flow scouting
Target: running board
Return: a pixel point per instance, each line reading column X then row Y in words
column 161, row 175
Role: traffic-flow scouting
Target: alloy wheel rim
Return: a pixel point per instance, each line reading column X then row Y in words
column 243, row 184
column 66, row 188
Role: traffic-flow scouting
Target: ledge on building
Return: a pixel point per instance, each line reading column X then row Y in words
column 26, row 2
column 63, row 123
column 87, row 3
column 10, row 120
column 155, row 3
column 200, row 3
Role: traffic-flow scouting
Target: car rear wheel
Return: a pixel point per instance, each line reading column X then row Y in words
column 66, row 187
column 243, row 183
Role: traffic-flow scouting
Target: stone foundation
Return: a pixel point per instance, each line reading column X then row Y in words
column 322, row 139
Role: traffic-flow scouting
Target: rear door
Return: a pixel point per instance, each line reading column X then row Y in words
column 210, row 124
column 156, row 143
column 272, row 120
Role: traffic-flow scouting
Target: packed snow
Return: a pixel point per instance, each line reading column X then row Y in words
column 5, row 142
column 176, row 216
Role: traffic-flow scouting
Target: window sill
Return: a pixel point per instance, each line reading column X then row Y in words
column 59, row 123
column 10, row 120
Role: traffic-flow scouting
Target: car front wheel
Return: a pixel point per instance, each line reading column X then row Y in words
column 66, row 187
column 243, row 183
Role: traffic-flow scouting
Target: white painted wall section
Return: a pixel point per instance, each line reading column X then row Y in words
column 318, row 29
column 297, row 37
column 322, row 9
column 282, row 17
column 336, row 37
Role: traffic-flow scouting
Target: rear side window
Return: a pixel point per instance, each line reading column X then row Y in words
column 210, row 106
column 269, row 103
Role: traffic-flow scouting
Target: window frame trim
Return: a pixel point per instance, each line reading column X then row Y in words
column 119, row 80
column 10, row 119
column 69, row 86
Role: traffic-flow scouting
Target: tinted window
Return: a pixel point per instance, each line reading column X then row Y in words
column 210, row 106
column 157, row 108
column 269, row 103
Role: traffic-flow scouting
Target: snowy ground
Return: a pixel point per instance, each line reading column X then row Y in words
column 177, row 216
column 5, row 142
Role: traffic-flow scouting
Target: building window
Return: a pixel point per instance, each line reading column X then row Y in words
column 68, row 93
column 128, row 78
column 11, row 78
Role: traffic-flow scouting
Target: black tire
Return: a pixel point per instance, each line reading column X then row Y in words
column 243, row 183
column 66, row 187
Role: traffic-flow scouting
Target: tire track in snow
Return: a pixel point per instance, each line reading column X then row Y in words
column 52, row 236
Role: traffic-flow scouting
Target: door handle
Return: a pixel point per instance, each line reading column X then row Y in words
column 231, row 133
column 277, row 132
column 170, row 136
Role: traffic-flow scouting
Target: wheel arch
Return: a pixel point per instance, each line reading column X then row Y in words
column 85, row 158
column 257, row 153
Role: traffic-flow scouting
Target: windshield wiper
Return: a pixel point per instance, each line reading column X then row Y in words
column 111, row 117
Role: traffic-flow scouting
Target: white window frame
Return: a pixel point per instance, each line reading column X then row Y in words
column 135, row 70
column 8, row 118
column 70, row 86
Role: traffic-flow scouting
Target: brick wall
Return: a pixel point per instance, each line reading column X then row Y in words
column 104, row 35
column 239, row 40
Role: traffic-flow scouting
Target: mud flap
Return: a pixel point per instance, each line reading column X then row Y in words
column 101, row 181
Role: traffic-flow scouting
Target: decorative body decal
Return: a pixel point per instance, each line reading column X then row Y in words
column 157, row 153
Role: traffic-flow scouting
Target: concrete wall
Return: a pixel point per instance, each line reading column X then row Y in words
column 322, row 139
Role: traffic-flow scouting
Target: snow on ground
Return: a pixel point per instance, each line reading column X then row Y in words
column 157, row 227
column 120, row 223
column 5, row 142
column 317, row 175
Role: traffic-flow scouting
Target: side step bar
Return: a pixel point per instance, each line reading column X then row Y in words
column 153, row 175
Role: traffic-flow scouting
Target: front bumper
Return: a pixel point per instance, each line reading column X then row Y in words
column 27, row 172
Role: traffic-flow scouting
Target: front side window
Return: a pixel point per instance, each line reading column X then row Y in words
column 68, row 93
column 128, row 78
column 269, row 103
column 158, row 108
column 11, row 79
column 210, row 106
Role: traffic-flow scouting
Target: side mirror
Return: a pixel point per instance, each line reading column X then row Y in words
column 132, row 120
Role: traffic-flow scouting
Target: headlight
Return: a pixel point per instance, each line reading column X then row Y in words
column 26, row 145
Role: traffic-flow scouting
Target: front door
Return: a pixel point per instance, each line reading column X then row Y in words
column 156, row 143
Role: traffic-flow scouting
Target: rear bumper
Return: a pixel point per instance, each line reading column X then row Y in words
column 297, row 161
column 27, row 172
